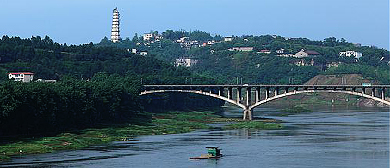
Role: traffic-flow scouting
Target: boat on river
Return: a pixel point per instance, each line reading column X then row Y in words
column 212, row 153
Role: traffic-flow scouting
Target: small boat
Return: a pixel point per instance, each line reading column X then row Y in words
column 212, row 153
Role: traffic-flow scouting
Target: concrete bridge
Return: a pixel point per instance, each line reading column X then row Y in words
column 250, row 96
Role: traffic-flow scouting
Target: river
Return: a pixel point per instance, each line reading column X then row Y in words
column 327, row 137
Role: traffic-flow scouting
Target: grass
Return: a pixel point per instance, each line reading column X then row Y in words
column 255, row 125
column 297, row 109
column 166, row 123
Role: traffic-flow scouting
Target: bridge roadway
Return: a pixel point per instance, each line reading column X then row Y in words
column 250, row 96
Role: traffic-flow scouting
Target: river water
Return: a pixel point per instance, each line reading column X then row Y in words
column 326, row 137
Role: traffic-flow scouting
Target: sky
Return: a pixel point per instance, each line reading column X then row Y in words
column 84, row 21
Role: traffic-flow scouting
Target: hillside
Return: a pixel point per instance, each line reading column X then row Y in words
column 350, row 79
column 265, row 59
column 329, row 99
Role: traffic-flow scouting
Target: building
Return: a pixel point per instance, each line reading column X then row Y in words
column 264, row 52
column 333, row 64
column 183, row 39
column 115, row 36
column 281, row 51
column 187, row 62
column 285, row 55
column 47, row 80
column 355, row 54
column 143, row 53
column 246, row 49
column 303, row 62
column 21, row 76
column 306, row 53
column 227, row 39
column 147, row 36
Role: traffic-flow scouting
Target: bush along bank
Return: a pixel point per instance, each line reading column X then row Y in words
column 162, row 123
column 48, row 108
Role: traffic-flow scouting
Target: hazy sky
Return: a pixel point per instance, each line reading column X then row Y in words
column 84, row 21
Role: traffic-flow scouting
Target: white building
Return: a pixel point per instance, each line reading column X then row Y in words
column 187, row 62
column 308, row 53
column 227, row 39
column 281, row 51
column 143, row 53
column 115, row 36
column 264, row 52
column 147, row 36
column 355, row 54
column 183, row 39
column 21, row 76
column 247, row 49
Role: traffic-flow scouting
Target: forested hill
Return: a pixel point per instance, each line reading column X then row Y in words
column 51, row 60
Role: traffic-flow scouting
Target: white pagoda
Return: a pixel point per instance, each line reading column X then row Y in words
column 115, row 37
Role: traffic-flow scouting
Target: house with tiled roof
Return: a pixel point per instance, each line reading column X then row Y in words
column 306, row 53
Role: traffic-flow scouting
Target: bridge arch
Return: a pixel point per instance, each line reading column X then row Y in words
column 248, row 105
column 196, row 92
column 317, row 91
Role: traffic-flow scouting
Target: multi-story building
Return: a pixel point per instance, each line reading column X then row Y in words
column 187, row 62
column 21, row 76
column 355, row 54
column 147, row 36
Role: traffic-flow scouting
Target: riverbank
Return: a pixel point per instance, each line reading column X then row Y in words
column 164, row 123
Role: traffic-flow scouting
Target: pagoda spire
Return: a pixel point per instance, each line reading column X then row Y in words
column 115, row 36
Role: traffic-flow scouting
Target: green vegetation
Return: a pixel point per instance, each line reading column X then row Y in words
column 255, row 125
column 296, row 109
column 162, row 123
column 39, row 108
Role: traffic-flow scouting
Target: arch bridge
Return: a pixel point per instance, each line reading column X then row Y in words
column 250, row 96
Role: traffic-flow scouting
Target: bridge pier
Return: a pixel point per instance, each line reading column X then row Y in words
column 266, row 93
column 230, row 93
column 383, row 93
column 248, row 96
column 276, row 91
column 248, row 114
column 258, row 94
column 238, row 94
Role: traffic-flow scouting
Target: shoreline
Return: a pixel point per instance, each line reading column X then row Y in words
column 162, row 124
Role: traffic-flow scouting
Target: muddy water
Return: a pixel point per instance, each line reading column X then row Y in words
column 326, row 137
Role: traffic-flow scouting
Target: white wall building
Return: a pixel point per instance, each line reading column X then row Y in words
column 355, row 54
column 247, row 49
column 147, row 36
column 143, row 53
column 21, row 76
column 187, row 62
column 227, row 39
